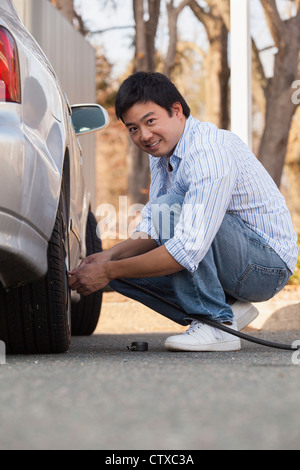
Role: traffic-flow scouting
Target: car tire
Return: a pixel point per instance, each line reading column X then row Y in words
column 86, row 313
column 35, row 319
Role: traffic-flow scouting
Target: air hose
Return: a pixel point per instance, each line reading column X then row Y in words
column 208, row 321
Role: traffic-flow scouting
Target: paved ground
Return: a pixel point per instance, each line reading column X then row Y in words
column 102, row 396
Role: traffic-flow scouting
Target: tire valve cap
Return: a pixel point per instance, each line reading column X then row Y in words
column 138, row 346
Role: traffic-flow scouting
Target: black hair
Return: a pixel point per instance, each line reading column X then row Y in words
column 142, row 87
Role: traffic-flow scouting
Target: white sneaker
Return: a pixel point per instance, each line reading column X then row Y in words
column 201, row 337
column 244, row 314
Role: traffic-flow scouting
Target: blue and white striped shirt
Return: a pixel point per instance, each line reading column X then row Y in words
column 215, row 171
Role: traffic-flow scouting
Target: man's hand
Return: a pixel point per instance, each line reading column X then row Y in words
column 91, row 276
column 97, row 271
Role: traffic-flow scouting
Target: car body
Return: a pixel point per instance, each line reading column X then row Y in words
column 39, row 152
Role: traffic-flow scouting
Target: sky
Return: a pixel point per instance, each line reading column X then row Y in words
column 118, row 44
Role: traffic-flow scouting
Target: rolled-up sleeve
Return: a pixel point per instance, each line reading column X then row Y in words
column 210, row 189
column 146, row 224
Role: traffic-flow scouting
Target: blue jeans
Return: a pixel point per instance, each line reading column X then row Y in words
column 239, row 265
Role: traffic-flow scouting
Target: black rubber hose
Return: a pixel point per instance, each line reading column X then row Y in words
column 208, row 321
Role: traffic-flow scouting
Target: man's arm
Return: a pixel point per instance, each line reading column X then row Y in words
column 156, row 263
column 132, row 247
column 130, row 259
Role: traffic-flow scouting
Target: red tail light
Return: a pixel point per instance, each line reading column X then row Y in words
column 10, row 89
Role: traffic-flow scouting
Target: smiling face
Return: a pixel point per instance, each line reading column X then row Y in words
column 153, row 129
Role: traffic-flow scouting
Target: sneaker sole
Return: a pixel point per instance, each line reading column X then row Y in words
column 216, row 347
column 248, row 317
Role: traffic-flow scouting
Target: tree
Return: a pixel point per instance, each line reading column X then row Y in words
column 259, row 81
column 145, row 34
column 274, row 95
column 216, row 62
column 145, row 60
column 280, row 107
column 173, row 14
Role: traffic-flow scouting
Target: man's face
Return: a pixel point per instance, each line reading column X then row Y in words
column 153, row 130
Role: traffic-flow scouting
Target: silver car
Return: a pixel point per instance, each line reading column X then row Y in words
column 46, row 225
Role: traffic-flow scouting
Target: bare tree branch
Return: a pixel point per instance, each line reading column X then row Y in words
column 140, row 37
column 112, row 28
column 275, row 24
column 259, row 80
column 138, row 165
column 224, row 9
column 173, row 14
column 216, row 67
column 184, row 4
column 151, row 30
column 280, row 107
column 258, row 76
column 199, row 11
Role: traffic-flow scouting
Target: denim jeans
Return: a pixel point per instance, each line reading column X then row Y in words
column 239, row 265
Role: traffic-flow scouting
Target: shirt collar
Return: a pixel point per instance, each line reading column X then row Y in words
column 180, row 149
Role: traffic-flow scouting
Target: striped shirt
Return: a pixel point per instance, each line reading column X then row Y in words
column 216, row 173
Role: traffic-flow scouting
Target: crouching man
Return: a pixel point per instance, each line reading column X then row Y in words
column 216, row 233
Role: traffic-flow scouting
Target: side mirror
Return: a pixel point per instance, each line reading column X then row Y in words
column 88, row 118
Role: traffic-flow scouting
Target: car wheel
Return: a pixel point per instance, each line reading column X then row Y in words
column 35, row 319
column 86, row 313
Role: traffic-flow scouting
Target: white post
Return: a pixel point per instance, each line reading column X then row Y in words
column 241, row 86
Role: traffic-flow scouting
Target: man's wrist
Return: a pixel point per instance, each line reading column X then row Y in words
column 109, row 270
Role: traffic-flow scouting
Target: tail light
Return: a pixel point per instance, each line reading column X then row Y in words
column 10, row 88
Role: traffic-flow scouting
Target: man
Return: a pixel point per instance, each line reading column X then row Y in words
column 216, row 233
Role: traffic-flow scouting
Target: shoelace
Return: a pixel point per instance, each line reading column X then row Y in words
column 195, row 325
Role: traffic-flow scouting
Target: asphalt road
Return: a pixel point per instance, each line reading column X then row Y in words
column 100, row 396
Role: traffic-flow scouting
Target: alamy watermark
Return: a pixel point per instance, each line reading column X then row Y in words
column 296, row 354
column 2, row 353
column 118, row 224
column 160, row 220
